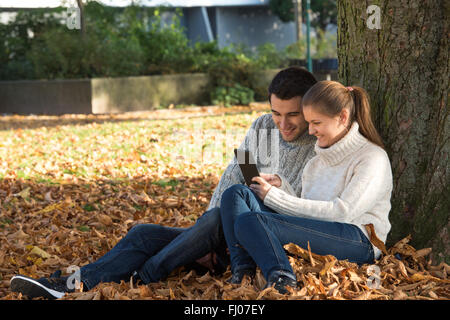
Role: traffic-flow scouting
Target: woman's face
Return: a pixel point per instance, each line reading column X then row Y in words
column 328, row 130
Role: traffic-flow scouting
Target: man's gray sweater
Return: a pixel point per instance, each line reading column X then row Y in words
column 272, row 155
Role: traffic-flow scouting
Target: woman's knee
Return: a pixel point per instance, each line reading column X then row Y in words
column 237, row 189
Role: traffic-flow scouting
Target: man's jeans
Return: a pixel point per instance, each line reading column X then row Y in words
column 256, row 233
column 154, row 251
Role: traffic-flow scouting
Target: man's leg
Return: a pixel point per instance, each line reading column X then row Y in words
column 140, row 243
column 153, row 249
column 193, row 243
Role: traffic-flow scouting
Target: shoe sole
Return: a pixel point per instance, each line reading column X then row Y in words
column 33, row 289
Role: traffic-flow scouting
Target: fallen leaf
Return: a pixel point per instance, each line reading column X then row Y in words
column 41, row 253
column 374, row 239
column 422, row 253
column 104, row 219
column 144, row 291
column 48, row 196
column 25, row 193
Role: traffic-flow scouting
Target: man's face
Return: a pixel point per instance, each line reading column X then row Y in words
column 288, row 117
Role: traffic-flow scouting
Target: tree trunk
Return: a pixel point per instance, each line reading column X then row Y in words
column 404, row 66
column 298, row 18
column 82, row 18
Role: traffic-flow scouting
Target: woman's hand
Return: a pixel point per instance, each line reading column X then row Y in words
column 273, row 179
column 261, row 187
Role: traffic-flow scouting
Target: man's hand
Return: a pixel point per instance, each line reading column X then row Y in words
column 261, row 187
column 273, row 179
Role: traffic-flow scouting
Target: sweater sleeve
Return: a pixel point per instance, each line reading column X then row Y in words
column 285, row 186
column 371, row 178
column 232, row 174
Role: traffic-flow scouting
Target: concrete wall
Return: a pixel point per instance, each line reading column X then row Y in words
column 45, row 97
column 111, row 95
column 147, row 92
column 102, row 95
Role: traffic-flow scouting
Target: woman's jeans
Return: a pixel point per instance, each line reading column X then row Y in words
column 154, row 251
column 256, row 234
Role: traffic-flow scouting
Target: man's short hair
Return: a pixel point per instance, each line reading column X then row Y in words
column 291, row 82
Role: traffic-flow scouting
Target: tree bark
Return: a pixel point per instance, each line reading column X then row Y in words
column 404, row 66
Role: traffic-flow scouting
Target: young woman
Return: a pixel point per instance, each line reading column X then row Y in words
column 345, row 187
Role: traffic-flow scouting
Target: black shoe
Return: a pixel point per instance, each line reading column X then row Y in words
column 237, row 276
column 49, row 288
column 56, row 274
column 279, row 282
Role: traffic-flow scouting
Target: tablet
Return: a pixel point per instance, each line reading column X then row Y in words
column 247, row 164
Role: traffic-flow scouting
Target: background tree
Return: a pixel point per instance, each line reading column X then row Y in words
column 324, row 12
column 82, row 18
column 404, row 66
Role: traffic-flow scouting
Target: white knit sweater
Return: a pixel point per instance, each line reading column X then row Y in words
column 349, row 182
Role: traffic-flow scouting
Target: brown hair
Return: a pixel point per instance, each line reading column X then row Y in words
column 330, row 97
column 291, row 82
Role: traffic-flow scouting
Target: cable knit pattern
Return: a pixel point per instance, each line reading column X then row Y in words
column 349, row 182
column 272, row 155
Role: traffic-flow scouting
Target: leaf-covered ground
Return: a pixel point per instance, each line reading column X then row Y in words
column 71, row 186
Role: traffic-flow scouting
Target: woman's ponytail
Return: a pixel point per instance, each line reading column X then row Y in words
column 363, row 116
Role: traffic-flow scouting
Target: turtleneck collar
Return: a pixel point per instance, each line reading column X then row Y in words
column 348, row 144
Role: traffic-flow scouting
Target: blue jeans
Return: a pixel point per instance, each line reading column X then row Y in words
column 256, row 234
column 154, row 251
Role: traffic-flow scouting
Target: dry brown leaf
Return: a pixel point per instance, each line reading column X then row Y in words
column 84, row 295
column 402, row 268
column 419, row 277
column 19, row 234
column 328, row 265
column 433, row 295
column 364, row 296
column 48, row 196
column 172, row 202
column 313, row 263
column 104, row 219
column 422, row 253
column 374, row 239
column 49, row 208
column 204, row 278
column 144, row 291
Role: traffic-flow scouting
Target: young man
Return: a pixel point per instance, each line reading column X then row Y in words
column 280, row 144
